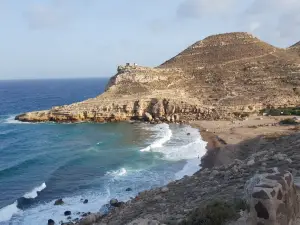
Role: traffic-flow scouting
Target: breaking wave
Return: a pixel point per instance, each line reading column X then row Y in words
column 117, row 173
column 164, row 134
column 7, row 212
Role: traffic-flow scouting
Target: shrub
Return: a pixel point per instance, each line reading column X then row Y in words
column 288, row 121
column 216, row 213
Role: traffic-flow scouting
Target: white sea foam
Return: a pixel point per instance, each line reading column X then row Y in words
column 116, row 173
column 34, row 192
column 185, row 144
column 11, row 120
column 7, row 212
column 163, row 135
column 189, row 169
column 43, row 212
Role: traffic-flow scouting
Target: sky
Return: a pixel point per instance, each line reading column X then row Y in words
column 89, row 38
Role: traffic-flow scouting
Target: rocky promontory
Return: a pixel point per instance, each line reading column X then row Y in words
column 221, row 77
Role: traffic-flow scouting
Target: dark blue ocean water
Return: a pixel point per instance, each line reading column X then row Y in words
column 40, row 163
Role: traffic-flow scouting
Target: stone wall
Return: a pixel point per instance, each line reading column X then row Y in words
column 274, row 200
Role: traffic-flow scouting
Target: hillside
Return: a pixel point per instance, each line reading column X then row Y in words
column 295, row 49
column 219, row 77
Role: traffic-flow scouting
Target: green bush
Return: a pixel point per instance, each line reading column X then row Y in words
column 288, row 121
column 216, row 213
column 282, row 111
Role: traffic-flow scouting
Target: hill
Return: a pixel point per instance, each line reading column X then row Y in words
column 220, row 77
column 295, row 48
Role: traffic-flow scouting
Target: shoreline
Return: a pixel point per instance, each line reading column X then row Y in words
column 172, row 203
column 220, row 137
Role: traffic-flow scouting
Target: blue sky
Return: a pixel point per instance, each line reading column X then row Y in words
column 89, row 38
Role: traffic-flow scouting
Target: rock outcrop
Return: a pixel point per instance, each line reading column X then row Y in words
column 220, row 77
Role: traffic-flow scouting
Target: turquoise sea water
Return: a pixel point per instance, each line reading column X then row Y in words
column 40, row 163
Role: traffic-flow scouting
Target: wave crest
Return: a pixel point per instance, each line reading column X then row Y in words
column 164, row 134
column 7, row 212
column 117, row 173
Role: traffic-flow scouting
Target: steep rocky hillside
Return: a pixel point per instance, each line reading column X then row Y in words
column 295, row 48
column 219, row 77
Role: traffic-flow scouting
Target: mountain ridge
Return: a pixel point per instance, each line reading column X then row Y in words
column 220, row 77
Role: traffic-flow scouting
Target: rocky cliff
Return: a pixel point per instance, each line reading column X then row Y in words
column 220, row 77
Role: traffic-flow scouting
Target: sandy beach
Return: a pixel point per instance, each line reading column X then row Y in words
column 224, row 137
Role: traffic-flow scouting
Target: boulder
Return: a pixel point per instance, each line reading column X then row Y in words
column 67, row 213
column 85, row 201
column 148, row 117
column 90, row 219
column 51, row 222
column 59, row 202
column 251, row 162
column 128, row 189
column 115, row 203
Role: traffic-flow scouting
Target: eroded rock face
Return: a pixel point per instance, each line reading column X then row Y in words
column 274, row 200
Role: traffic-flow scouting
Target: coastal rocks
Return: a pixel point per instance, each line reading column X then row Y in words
column 59, row 202
column 85, row 201
column 90, row 219
column 115, row 203
column 67, row 213
column 144, row 222
column 148, row 117
column 251, row 162
column 51, row 222
column 128, row 189
column 274, row 200
column 164, row 189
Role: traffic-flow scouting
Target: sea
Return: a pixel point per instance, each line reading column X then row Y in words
column 43, row 162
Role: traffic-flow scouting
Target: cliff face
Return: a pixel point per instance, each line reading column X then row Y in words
column 217, row 78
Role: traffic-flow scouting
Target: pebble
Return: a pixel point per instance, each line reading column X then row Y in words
column 164, row 189
column 251, row 162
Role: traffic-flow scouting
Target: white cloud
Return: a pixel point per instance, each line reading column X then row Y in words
column 279, row 20
column 55, row 13
column 45, row 16
column 199, row 8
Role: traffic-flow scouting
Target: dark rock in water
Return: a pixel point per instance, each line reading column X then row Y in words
column 188, row 134
column 69, row 218
column 23, row 203
column 84, row 214
column 115, row 203
column 67, row 213
column 51, row 222
column 59, row 202
column 128, row 189
column 85, row 201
